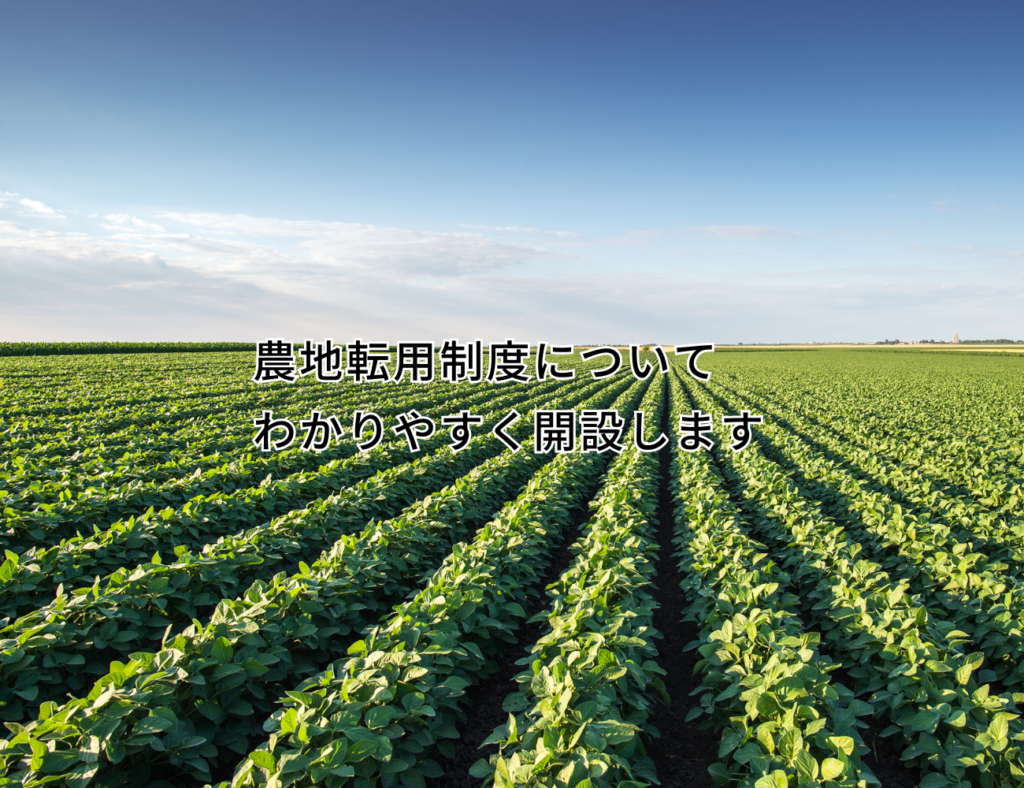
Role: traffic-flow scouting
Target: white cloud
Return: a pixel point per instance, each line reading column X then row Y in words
column 345, row 246
column 242, row 224
column 333, row 272
column 123, row 221
column 38, row 207
column 232, row 276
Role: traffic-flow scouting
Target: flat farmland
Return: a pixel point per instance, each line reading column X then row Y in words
column 839, row 603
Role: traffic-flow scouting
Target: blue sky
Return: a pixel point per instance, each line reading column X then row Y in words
column 596, row 171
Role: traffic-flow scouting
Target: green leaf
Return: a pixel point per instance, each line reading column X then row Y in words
column 222, row 651
column 430, row 769
column 253, row 667
column 454, row 683
column 290, row 721
column 379, row 716
column 925, row 721
column 29, row 693
column 841, row 744
column 791, row 743
column 776, row 779
column 59, row 762
column 831, row 768
column 394, row 766
column 82, row 775
column 516, row 701
column 413, row 778
column 263, row 759
column 359, row 647
column 38, row 754
column 481, row 769
column 153, row 724
column 360, row 750
column 767, row 705
column 748, row 751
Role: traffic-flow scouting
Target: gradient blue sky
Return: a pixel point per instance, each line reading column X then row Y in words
column 588, row 171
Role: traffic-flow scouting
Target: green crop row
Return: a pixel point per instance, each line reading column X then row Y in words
column 169, row 438
column 76, row 458
column 960, row 445
column 584, row 700
column 978, row 591
column 972, row 491
column 228, row 428
column 909, row 664
column 767, row 688
column 228, row 674
column 29, row 580
column 133, row 607
column 227, row 489
column 385, row 713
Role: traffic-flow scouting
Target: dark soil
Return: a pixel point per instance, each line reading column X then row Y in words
column 484, row 700
column 683, row 752
column 883, row 756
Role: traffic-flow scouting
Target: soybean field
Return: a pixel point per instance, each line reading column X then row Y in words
column 839, row 603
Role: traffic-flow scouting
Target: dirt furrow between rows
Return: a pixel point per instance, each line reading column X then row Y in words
column 484, row 700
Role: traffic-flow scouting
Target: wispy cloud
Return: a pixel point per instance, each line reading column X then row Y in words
column 38, row 207
column 123, row 221
column 234, row 276
column 385, row 251
column 946, row 205
column 243, row 224
column 323, row 265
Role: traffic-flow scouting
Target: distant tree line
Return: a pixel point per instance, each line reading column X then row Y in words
column 962, row 342
column 82, row 348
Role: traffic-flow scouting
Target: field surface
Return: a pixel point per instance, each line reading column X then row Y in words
column 840, row 603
